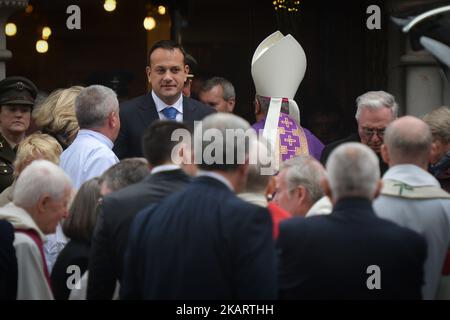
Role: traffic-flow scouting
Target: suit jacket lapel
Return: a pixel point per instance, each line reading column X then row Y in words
column 147, row 111
column 189, row 111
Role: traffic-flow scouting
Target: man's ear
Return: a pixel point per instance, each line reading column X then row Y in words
column 385, row 153
column 326, row 188
column 378, row 188
column 270, row 188
column 186, row 72
column 230, row 104
column 43, row 203
column 257, row 107
column 434, row 151
column 112, row 119
column 148, row 71
column 301, row 194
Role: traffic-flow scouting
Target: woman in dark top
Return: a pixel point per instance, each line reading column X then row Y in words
column 79, row 227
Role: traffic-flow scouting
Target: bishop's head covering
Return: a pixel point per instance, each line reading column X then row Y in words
column 278, row 68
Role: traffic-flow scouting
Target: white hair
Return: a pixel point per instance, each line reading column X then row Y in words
column 304, row 171
column 353, row 171
column 231, row 132
column 376, row 100
column 94, row 104
column 39, row 178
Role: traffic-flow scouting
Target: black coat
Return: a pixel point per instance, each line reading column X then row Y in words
column 201, row 243
column 352, row 138
column 74, row 253
column 139, row 113
column 327, row 257
column 8, row 262
column 111, row 233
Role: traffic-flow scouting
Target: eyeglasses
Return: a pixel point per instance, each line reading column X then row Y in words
column 370, row 132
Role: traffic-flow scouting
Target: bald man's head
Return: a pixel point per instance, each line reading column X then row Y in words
column 407, row 140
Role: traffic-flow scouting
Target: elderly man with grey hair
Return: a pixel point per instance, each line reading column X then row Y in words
column 375, row 110
column 222, row 245
column 41, row 197
column 412, row 197
column 90, row 154
column 350, row 253
column 298, row 187
column 218, row 93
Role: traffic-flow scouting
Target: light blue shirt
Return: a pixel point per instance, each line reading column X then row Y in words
column 161, row 105
column 88, row 156
column 428, row 217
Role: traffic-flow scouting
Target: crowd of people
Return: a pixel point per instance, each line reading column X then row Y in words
column 103, row 203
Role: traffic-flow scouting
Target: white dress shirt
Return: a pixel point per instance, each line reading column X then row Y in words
column 161, row 105
column 87, row 157
column 165, row 168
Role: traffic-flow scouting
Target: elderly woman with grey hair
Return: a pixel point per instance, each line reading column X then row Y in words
column 439, row 122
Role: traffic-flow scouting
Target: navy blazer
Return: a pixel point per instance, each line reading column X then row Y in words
column 139, row 113
column 201, row 243
column 8, row 262
column 327, row 257
column 111, row 233
column 351, row 138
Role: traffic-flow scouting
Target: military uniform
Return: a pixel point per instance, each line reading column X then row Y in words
column 13, row 91
column 7, row 156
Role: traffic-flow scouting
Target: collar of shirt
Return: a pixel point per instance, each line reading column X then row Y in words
column 165, row 168
column 202, row 173
column 97, row 136
column 411, row 175
column 160, row 105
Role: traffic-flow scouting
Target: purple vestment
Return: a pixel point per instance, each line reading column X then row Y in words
column 293, row 140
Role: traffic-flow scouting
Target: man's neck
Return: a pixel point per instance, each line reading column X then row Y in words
column 260, row 116
column 13, row 139
column 103, row 131
column 168, row 101
column 423, row 166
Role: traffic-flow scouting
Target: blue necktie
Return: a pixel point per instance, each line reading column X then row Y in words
column 170, row 113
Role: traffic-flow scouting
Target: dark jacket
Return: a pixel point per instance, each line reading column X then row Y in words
column 111, row 233
column 351, row 138
column 201, row 243
column 75, row 253
column 8, row 262
column 330, row 257
column 139, row 113
column 7, row 157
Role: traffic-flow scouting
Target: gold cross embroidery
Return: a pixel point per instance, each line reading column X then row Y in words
column 287, row 122
column 289, row 140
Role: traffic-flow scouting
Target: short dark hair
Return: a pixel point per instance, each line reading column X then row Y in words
column 126, row 172
column 157, row 145
column 83, row 212
column 166, row 45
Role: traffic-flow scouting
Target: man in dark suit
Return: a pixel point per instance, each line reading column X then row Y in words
column 8, row 262
column 204, row 242
column 119, row 208
column 375, row 110
column 351, row 253
column 167, row 72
